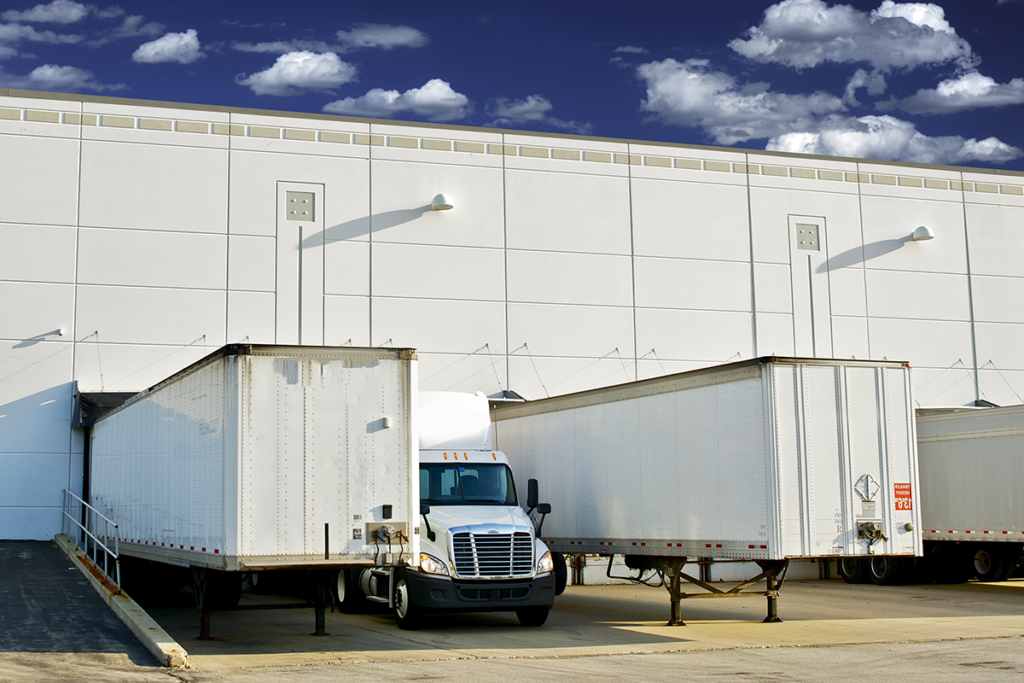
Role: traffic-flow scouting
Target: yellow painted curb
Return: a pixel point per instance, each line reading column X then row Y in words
column 164, row 648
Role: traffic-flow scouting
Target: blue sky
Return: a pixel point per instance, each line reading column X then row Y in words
column 938, row 82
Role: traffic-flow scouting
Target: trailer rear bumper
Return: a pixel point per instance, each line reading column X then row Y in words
column 442, row 594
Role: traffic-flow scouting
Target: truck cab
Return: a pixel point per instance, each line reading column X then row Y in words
column 479, row 548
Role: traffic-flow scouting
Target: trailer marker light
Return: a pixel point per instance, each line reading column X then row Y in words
column 643, row 544
column 191, row 547
column 750, row 546
column 679, row 545
column 968, row 531
column 465, row 456
column 634, row 542
column 494, row 455
column 669, row 545
column 764, row 547
column 707, row 545
column 204, row 550
column 216, row 551
column 1004, row 532
column 718, row 545
column 985, row 532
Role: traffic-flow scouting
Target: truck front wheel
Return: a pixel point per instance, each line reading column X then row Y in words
column 407, row 615
column 532, row 616
column 561, row 572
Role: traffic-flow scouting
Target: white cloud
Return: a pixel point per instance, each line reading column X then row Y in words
column 136, row 25
column 629, row 49
column 112, row 12
column 296, row 72
column 885, row 137
column 690, row 94
column 283, row 46
column 182, row 48
column 435, row 100
column 12, row 34
column 531, row 111
column 383, row 36
column 968, row 91
column 57, row 78
column 874, row 83
column 806, row 33
column 57, row 12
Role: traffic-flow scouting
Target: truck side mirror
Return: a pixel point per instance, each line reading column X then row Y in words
column 544, row 508
column 531, row 494
column 425, row 510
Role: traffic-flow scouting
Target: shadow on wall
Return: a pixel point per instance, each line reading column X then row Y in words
column 852, row 257
column 39, row 422
column 367, row 224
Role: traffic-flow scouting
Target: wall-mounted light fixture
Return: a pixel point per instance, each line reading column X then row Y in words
column 923, row 233
column 442, row 202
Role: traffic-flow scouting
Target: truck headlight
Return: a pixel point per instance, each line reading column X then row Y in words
column 545, row 564
column 431, row 565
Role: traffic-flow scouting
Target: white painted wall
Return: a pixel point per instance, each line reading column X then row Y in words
column 152, row 235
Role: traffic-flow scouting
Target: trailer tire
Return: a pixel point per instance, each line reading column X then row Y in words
column 561, row 572
column 347, row 594
column 989, row 564
column 853, row 570
column 885, row 571
column 407, row 616
column 532, row 616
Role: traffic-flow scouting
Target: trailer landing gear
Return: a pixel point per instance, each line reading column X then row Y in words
column 209, row 598
column 672, row 575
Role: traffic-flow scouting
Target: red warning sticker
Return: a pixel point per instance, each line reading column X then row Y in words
column 902, row 496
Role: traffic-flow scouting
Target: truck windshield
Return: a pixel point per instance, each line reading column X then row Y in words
column 469, row 484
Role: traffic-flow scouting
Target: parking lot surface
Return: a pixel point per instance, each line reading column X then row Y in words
column 830, row 630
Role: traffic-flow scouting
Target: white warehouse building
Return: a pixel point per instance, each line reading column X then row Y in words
column 136, row 237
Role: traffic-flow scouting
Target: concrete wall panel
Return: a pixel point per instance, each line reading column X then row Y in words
column 37, row 253
column 154, row 187
column 690, row 220
column 567, row 212
column 573, row 331
column 152, row 258
column 540, row 277
column 685, row 283
column 438, row 272
column 42, row 187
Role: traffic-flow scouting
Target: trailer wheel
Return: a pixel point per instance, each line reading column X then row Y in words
column 988, row 564
column 347, row 594
column 852, row 570
column 561, row 572
column 407, row 615
column 532, row 616
column 884, row 571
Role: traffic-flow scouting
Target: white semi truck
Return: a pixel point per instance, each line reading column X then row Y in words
column 763, row 461
column 479, row 550
column 265, row 458
column 972, row 476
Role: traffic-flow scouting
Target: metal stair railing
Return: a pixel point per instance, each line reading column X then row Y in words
column 93, row 533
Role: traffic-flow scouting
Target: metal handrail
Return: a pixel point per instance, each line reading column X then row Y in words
column 88, row 529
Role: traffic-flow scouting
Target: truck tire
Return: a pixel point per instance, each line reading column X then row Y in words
column 408, row 616
column 884, row 571
column 853, row 570
column 532, row 616
column 561, row 572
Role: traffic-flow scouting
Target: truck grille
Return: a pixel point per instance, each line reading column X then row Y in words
column 493, row 555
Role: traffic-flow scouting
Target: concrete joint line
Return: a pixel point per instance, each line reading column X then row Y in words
column 158, row 641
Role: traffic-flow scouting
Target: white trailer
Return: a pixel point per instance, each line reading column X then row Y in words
column 972, row 476
column 266, row 457
column 764, row 460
